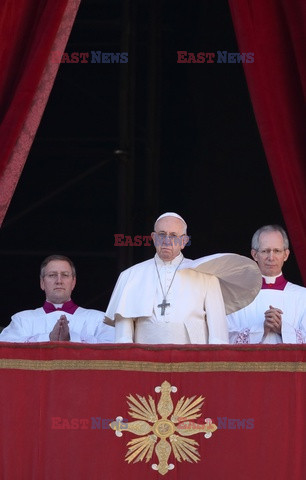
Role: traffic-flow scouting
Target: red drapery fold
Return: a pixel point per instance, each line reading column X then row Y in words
column 275, row 30
column 30, row 30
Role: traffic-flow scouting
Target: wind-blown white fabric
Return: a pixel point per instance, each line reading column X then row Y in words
column 240, row 278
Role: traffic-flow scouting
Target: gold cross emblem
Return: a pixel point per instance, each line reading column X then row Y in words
column 160, row 433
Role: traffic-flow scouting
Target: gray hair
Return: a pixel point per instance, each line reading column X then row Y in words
column 269, row 228
column 56, row 257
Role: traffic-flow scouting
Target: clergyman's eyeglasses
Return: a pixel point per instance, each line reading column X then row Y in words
column 268, row 251
column 54, row 275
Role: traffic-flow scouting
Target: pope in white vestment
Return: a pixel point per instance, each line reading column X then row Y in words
column 169, row 300
column 278, row 313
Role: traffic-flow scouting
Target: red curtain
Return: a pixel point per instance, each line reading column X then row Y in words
column 275, row 31
column 30, row 30
column 58, row 399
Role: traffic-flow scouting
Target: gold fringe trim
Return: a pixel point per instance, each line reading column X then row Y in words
column 136, row 366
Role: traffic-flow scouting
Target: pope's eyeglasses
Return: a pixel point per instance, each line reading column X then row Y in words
column 172, row 237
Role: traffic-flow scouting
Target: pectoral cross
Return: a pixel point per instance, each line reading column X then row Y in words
column 163, row 306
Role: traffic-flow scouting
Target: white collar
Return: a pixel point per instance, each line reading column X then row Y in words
column 175, row 262
column 272, row 279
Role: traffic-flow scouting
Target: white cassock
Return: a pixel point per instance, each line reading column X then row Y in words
column 196, row 313
column 247, row 325
column 85, row 325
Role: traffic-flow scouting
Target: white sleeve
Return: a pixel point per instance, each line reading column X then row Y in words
column 215, row 313
column 254, row 334
column 242, row 330
column 290, row 334
column 93, row 330
column 104, row 333
column 77, row 338
column 124, row 330
column 16, row 332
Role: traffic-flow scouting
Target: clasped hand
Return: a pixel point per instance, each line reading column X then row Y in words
column 60, row 332
column 273, row 320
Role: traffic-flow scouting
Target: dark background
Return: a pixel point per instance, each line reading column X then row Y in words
column 119, row 144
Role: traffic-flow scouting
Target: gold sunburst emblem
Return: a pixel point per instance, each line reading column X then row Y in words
column 161, row 433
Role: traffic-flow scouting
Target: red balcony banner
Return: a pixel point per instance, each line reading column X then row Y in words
column 74, row 411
